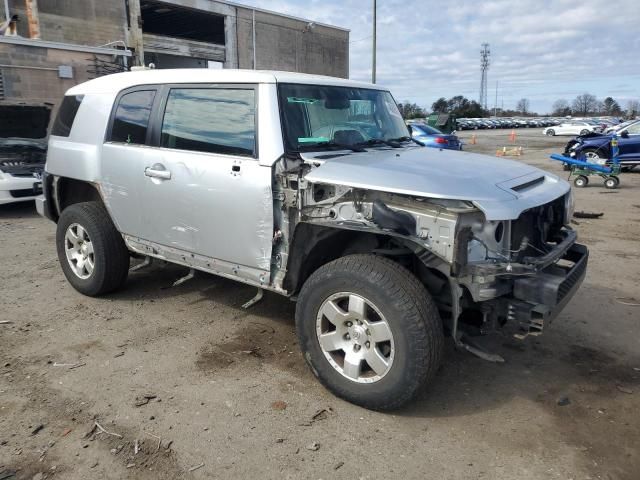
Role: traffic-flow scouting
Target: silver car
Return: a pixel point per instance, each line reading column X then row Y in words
column 311, row 187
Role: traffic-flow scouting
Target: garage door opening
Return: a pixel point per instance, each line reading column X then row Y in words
column 169, row 20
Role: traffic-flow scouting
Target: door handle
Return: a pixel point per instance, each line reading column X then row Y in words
column 157, row 171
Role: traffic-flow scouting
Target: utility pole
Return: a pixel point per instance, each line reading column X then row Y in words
column 6, row 9
column 373, row 66
column 484, row 66
column 495, row 105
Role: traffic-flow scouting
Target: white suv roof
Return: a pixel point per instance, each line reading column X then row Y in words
column 119, row 81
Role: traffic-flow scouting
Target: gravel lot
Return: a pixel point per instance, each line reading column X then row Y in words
column 196, row 381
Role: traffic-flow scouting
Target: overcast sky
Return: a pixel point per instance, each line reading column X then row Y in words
column 540, row 49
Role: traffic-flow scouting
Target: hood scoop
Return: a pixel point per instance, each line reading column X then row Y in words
column 528, row 184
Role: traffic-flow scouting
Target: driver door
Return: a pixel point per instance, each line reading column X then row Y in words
column 207, row 193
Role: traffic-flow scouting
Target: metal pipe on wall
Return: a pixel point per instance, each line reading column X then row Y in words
column 253, row 36
column 6, row 9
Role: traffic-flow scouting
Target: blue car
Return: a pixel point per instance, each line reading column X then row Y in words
column 432, row 137
column 596, row 148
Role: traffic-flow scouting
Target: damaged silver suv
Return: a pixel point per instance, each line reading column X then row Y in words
column 311, row 187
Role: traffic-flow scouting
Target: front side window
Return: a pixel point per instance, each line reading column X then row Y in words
column 316, row 116
column 131, row 119
column 213, row 120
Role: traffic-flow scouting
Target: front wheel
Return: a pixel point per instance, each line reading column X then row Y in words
column 551, row 133
column 91, row 251
column 369, row 331
column 584, row 132
column 594, row 156
column 581, row 181
column 611, row 182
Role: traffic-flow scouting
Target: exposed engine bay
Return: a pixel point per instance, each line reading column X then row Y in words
column 481, row 273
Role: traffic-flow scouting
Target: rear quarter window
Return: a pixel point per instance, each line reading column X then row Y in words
column 66, row 115
column 131, row 118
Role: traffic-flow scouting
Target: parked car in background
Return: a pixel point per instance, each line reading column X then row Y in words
column 620, row 126
column 432, row 137
column 571, row 128
column 597, row 148
column 23, row 147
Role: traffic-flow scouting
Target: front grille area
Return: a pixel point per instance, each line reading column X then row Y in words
column 25, row 192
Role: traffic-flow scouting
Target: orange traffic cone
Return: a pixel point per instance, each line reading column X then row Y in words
column 512, row 136
column 473, row 139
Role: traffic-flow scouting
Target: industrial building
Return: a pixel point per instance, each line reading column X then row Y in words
column 58, row 43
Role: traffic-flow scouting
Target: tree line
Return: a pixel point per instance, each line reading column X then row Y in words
column 588, row 104
column 583, row 105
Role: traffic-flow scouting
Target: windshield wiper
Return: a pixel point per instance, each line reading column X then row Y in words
column 406, row 139
column 381, row 141
column 332, row 144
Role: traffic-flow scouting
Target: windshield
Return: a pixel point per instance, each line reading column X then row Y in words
column 317, row 117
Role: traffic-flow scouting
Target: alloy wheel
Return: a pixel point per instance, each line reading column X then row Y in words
column 79, row 251
column 355, row 337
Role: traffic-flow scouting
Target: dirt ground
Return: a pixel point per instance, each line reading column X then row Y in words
column 206, row 389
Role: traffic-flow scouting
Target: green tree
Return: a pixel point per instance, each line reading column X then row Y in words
column 440, row 106
column 411, row 110
column 611, row 107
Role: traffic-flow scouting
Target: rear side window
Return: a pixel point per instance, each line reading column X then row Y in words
column 66, row 115
column 131, row 119
column 214, row 120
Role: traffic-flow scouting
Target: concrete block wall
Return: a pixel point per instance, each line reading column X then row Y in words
column 23, row 84
column 82, row 22
column 284, row 43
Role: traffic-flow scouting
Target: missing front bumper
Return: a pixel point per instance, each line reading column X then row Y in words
column 537, row 300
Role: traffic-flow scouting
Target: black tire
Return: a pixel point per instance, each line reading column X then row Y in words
column 584, row 132
column 581, row 181
column 551, row 132
column 411, row 315
column 111, row 257
column 611, row 182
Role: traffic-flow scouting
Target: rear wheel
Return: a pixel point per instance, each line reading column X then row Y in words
column 584, row 132
column 369, row 331
column 551, row 132
column 91, row 251
column 611, row 182
column 581, row 181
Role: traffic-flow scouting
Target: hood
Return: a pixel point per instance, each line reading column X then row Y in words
column 501, row 188
column 24, row 121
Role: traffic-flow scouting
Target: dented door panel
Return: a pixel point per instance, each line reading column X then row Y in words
column 217, row 206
